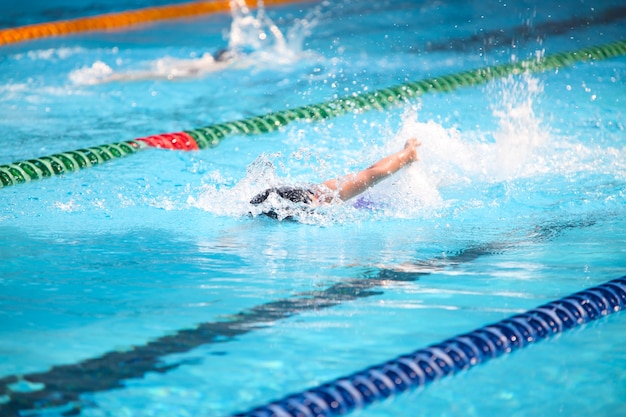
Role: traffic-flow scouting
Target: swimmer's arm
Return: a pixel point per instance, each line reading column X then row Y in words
column 354, row 184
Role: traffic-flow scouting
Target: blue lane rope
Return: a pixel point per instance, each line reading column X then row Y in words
column 449, row 357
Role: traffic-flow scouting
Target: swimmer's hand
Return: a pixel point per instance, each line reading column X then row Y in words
column 410, row 150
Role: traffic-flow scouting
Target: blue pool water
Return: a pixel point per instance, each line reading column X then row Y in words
column 114, row 278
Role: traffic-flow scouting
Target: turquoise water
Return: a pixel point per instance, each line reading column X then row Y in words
column 518, row 199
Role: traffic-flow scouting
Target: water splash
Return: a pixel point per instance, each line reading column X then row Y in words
column 221, row 198
column 250, row 33
column 257, row 40
column 457, row 169
column 455, row 166
column 521, row 136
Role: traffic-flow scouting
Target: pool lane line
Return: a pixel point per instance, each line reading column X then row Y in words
column 119, row 20
column 62, row 385
column 212, row 135
column 449, row 357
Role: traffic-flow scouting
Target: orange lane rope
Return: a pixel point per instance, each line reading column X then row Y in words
column 122, row 19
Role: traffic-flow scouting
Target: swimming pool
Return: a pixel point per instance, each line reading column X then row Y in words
column 143, row 287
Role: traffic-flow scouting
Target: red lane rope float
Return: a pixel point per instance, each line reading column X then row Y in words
column 122, row 19
column 179, row 141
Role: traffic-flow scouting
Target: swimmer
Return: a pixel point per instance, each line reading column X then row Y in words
column 169, row 69
column 342, row 189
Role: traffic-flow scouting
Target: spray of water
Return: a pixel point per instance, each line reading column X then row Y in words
column 459, row 162
column 250, row 33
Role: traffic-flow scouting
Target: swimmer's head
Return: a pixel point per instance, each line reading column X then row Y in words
column 293, row 194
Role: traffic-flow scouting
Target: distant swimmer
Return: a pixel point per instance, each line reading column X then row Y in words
column 177, row 69
column 170, row 69
column 339, row 189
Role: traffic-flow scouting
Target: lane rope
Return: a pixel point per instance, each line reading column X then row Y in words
column 381, row 99
column 118, row 20
column 60, row 163
column 212, row 135
column 64, row 385
column 420, row 368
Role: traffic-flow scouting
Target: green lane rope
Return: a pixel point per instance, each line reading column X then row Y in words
column 386, row 97
column 57, row 164
column 212, row 135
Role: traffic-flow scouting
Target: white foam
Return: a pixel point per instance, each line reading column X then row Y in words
column 69, row 206
column 96, row 73
column 50, row 54
column 218, row 197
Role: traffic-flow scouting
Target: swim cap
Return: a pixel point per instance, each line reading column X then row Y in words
column 293, row 194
